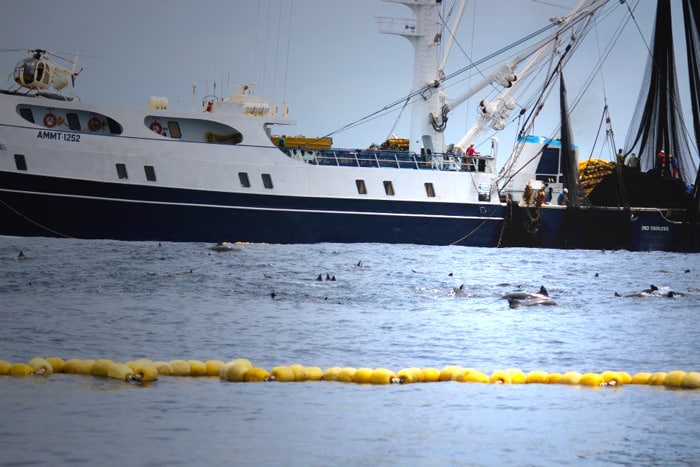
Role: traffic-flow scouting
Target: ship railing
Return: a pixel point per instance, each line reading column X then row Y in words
column 390, row 159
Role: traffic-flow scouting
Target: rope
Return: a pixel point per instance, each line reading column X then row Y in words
column 32, row 221
column 456, row 242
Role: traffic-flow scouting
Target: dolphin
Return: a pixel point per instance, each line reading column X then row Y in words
column 222, row 247
column 460, row 291
column 652, row 291
column 517, row 299
column 514, row 303
column 542, row 294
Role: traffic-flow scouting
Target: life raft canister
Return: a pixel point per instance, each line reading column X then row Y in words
column 50, row 120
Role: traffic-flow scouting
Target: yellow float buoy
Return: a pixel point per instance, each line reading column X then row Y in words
column 517, row 376
column 346, row 374
column 256, row 375
column 213, row 367
column 145, row 372
column 612, row 378
column 570, row 377
column 475, row 376
column 101, row 368
column 57, row 364
column 537, row 377
column 180, row 368
column 331, row 374
column 299, row 373
column 448, row 372
column 382, row 376
column 362, row 375
column 235, row 373
column 20, row 369
column 691, row 380
column 5, row 367
column 657, row 379
column 164, row 368
column 500, row 377
column 283, row 374
column 141, row 361
column 430, row 374
column 409, row 375
column 641, row 378
column 241, row 361
column 120, row 371
column 71, row 366
column 625, row 378
column 674, row 379
column 554, row 378
column 591, row 379
column 197, row 368
column 313, row 373
column 41, row 366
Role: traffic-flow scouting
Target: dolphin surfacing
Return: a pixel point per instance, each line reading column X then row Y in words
column 518, row 299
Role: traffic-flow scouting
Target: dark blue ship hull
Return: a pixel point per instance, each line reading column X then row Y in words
column 32, row 205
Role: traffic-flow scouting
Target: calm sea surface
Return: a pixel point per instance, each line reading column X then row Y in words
column 396, row 308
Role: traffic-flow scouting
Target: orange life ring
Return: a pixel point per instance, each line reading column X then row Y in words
column 50, row 120
column 94, row 124
column 156, row 127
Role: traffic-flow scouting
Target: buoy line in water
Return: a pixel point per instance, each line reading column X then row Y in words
column 242, row 370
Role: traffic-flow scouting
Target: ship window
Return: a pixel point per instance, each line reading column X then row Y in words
column 114, row 127
column 73, row 121
column 361, row 187
column 389, row 188
column 150, row 173
column 267, row 180
column 26, row 114
column 430, row 190
column 245, row 181
column 121, row 171
column 174, row 129
column 20, row 162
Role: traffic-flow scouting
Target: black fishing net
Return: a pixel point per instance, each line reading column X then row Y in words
column 659, row 124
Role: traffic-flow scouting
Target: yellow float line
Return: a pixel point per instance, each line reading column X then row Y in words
column 242, row 370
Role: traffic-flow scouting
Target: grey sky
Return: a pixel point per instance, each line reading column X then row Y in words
column 328, row 55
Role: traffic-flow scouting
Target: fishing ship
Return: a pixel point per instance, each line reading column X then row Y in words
column 647, row 197
column 233, row 171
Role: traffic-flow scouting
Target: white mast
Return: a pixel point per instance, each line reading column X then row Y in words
column 423, row 31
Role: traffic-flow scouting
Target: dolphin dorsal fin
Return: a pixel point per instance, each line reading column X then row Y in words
column 543, row 291
column 653, row 287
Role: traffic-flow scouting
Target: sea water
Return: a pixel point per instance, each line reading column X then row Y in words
column 391, row 306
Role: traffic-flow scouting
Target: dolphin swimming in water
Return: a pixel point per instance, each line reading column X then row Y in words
column 517, row 299
column 514, row 303
column 652, row 291
column 527, row 295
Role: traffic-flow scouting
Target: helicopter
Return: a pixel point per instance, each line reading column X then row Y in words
column 40, row 73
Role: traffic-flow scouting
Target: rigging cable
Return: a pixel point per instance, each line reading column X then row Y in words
column 418, row 92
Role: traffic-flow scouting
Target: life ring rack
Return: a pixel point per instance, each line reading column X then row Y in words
column 50, row 120
column 156, row 127
column 94, row 124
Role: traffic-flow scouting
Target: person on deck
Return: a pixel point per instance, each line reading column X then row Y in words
column 563, row 198
column 468, row 161
column 673, row 163
column 633, row 162
column 661, row 162
column 620, row 158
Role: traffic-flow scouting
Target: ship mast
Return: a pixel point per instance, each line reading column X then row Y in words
column 423, row 31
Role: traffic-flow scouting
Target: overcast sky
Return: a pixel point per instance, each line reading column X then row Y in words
column 326, row 57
